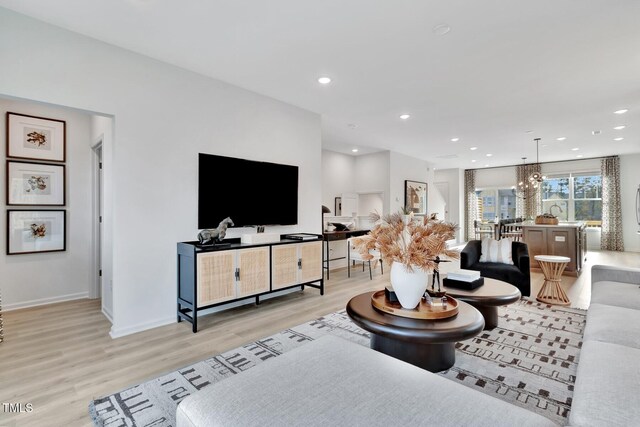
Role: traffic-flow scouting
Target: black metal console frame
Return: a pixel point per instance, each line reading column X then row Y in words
column 187, row 310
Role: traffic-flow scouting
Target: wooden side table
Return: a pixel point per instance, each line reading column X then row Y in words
column 552, row 267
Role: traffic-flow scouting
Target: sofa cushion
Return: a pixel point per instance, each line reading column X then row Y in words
column 499, row 251
column 617, row 325
column 605, row 392
column 332, row 381
column 616, row 293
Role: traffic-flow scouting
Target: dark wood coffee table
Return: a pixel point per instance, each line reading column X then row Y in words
column 429, row 344
column 487, row 298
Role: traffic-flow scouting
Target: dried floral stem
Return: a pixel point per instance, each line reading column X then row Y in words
column 416, row 243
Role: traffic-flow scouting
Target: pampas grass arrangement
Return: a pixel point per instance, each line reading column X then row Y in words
column 411, row 241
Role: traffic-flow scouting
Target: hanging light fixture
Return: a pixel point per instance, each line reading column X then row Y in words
column 536, row 178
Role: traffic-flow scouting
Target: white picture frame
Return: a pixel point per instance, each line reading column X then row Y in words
column 35, row 231
column 40, row 184
column 35, row 138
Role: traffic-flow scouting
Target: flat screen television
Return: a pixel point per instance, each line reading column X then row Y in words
column 250, row 192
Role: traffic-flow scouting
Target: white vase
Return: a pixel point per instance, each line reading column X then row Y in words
column 409, row 286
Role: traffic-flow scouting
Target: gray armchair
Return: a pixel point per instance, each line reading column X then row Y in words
column 518, row 274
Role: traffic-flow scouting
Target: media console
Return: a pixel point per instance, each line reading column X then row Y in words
column 210, row 275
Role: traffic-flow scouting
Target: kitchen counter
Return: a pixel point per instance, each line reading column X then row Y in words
column 567, row 239
column 574, row 224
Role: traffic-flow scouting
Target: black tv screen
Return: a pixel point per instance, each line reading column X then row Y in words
column 249, row 192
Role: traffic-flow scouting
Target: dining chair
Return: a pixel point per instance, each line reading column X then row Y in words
column 482, row 230
column 353, row 255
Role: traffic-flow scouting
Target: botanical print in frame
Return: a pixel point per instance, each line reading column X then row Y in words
column 415, row 197
column 33, row 231
column 35, row 184
column 37, row 138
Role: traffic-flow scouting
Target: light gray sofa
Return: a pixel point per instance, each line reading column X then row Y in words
column 334, row 382
column 608, row 377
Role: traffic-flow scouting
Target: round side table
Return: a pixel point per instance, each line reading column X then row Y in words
column 552, row 267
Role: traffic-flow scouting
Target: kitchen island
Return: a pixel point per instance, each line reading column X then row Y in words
column 565, row 239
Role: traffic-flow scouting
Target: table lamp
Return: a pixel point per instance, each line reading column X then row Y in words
column 325, row 210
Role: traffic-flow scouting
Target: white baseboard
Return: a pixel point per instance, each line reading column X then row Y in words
column 44, row 301
column 107, row 314
column 121, row 332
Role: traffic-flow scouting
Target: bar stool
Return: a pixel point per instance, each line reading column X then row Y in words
column 552, row 267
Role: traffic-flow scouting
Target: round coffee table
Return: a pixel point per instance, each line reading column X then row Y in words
column 487, row 298
column 428, row 344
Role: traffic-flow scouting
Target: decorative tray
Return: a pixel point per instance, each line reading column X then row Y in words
column 422, row 311
column 546, row 220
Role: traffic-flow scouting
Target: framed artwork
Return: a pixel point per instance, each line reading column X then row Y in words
column 415, row 197
column 338, row 206
column 35, row 184
column 34, row 231
column 35, row 138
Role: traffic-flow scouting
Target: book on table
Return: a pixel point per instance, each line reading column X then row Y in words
column 463, row 275
column 301, row 236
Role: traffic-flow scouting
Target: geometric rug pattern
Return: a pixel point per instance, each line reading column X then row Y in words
column 529, row 360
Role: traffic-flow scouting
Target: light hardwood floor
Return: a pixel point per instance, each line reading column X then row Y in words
column 60, row 356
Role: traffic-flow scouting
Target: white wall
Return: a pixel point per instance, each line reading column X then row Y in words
column 338, row 176
column 163, row 117
column 401, row 168
column 629, row 182
column 455, row 179
column 496, row 177
column 33, row 279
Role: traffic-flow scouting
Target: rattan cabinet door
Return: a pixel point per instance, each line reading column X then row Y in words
column 284, row 266
column 253, row 273
column 311, row 264
column 216, row 277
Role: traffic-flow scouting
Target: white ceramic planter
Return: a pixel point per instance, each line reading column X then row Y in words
column 409, row 286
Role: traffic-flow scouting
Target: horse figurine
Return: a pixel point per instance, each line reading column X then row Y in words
column 213, row 235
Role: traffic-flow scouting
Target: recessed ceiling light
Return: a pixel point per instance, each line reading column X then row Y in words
column 562, row 138
column 596, row 132
column 473, row 161
column 354, row 150
column 618, row 138
column 575, row 149
column 405, row 116
column 489, row 155
column 441, row 30
column 486, row 166
column 624, row 110
column 455, row 139
column 473, row 148
column 620, row 127
column 324, row 80
column 579, row 156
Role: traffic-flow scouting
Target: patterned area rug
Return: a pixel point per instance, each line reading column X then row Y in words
column 529, row 360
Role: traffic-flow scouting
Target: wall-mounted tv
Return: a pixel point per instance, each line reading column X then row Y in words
column 250, row 192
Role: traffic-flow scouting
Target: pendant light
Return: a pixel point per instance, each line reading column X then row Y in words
column 536, row 178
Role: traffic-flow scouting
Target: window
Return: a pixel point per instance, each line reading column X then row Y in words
column 574, row 197
column 496, row 203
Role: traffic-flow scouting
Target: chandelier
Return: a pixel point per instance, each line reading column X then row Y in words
column 536, row 178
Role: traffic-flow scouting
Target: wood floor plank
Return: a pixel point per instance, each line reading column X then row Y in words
column 60, row 356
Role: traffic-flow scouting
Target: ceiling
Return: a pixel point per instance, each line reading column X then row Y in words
column 508, row 71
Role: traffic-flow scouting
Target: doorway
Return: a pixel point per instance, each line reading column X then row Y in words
column 98, row 203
